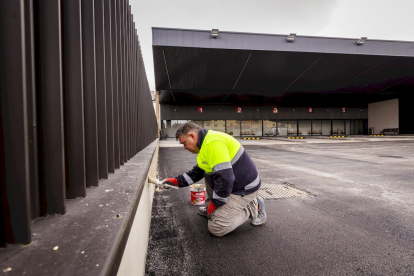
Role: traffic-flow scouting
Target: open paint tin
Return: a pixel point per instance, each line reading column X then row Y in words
column 198, row 194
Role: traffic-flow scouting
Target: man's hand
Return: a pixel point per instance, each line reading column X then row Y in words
column 210, row 209
column 171, row 181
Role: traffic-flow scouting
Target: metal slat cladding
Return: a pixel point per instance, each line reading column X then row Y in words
column 89, row 93
column 14, row 141
column 115, row 84
column 101, row 88
column 73, row 95
column 109, row 84
column 51, row 132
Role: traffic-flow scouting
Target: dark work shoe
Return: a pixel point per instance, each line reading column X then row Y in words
column 202, row 211
column 261, row 217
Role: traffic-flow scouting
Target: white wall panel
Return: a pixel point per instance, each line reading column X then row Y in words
column 383, row 115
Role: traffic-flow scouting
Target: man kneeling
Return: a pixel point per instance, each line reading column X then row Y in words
column 231, row 178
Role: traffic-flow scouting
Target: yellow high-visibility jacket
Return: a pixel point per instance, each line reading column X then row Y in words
column 226, row 166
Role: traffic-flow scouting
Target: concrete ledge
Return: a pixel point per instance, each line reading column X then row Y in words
column 133, row 260
column 92, row 236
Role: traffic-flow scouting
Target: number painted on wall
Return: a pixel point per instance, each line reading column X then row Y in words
column 239, row 110
column 275, row 110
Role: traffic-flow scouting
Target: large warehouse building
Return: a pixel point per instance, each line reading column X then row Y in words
column 249, row 84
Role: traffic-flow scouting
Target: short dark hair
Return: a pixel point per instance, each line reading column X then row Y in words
column 186, row 128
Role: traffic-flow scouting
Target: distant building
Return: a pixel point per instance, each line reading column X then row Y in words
column 277, row 85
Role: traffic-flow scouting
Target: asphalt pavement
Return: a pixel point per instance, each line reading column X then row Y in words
column 360, row 220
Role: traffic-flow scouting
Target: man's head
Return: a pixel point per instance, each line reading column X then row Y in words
column 187, row 134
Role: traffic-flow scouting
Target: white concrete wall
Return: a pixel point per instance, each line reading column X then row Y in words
column 383, row 115
column 133, row 260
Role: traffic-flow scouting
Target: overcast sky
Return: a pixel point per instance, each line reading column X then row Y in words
column 376, row 19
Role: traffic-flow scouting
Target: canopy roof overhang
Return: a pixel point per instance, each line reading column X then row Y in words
column 191, row 67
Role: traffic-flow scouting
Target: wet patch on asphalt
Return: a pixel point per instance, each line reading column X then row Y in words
column 168, row 251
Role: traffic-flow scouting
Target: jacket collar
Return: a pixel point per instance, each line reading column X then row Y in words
column 201, row 135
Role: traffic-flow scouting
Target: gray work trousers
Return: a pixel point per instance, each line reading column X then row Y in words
column 234, row 213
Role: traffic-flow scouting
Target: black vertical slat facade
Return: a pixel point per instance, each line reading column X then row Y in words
column 125, row 96
column 89, row 93
column 121, row 79
column 75, row 104
column 131, row 112
column 73, row 95
column 134, row 117
column 125, row 75
column 14, row 140
column 31, row 107
column 114, row 32
column 109, row 86
column 50, row 107
column 101, row 88
column 128, row 94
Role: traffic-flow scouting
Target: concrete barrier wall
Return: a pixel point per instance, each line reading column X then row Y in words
column 133, row 260
column 383, row 115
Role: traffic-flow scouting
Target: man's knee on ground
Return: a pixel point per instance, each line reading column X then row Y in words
column 216, row 230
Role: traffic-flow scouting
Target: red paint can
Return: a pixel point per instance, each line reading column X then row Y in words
column 198, row 194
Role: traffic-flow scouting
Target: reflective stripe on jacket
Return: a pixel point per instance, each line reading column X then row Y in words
column 226, row 166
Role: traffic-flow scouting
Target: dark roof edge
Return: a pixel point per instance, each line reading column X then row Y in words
column 169, row 37
column 282, row 35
